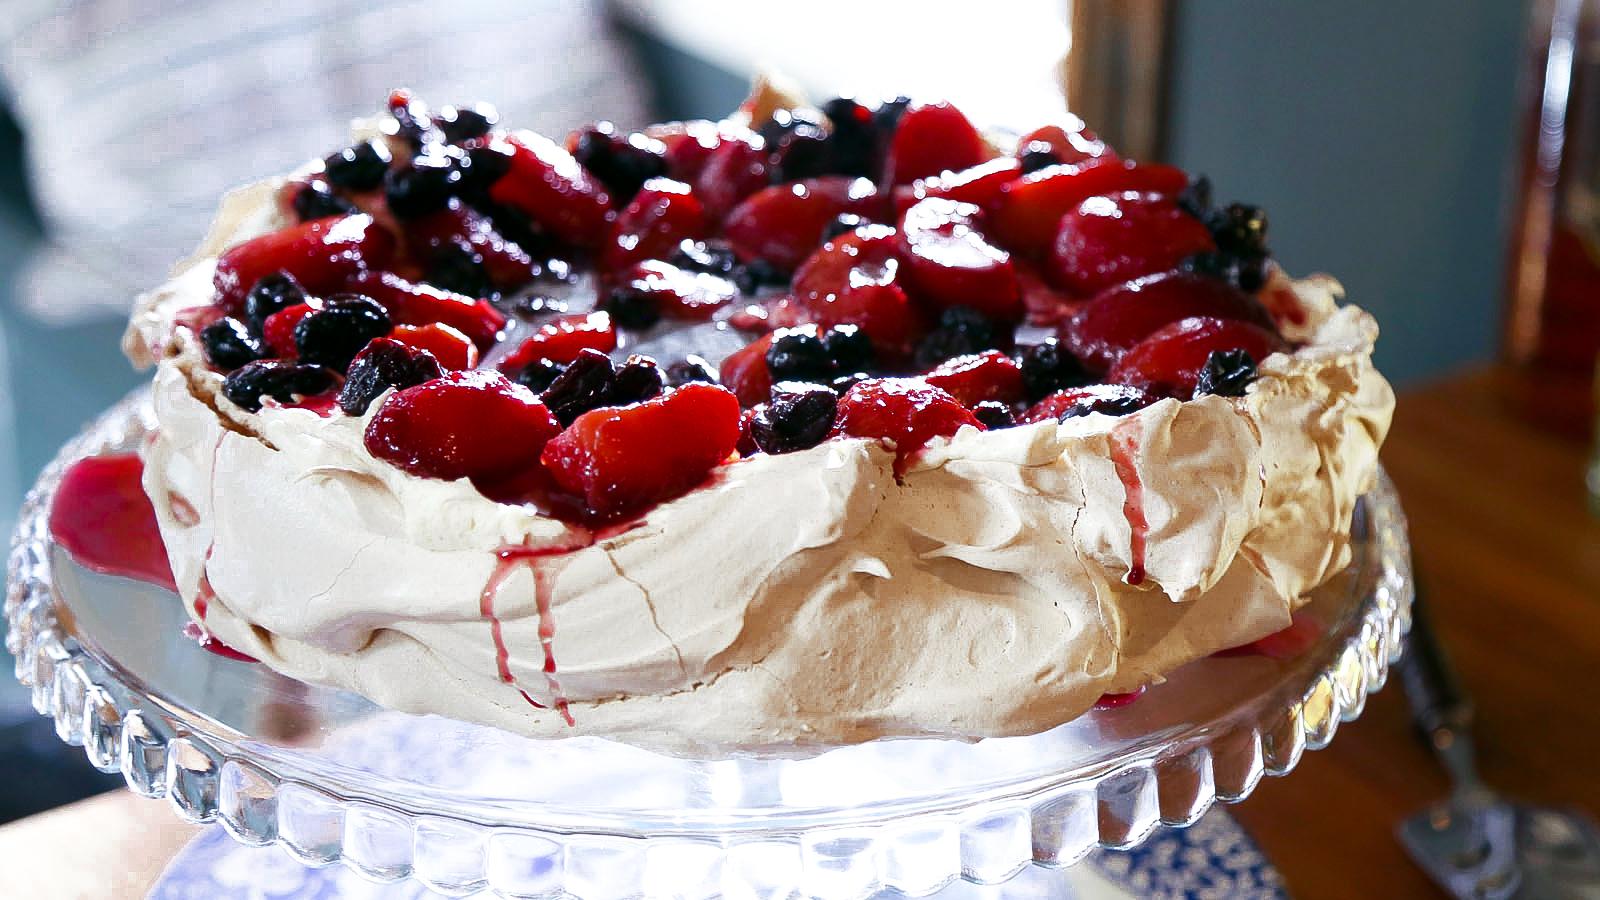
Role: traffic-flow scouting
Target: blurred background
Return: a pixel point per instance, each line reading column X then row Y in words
column 1388, row 142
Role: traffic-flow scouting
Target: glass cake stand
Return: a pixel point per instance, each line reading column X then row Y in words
column 464, row 808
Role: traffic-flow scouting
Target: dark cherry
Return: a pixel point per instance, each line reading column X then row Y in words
column 637, row 379
column 333, row 335
column 622, row 163
column 797, row 417
column 711, row 257
column 1049, row 367
column 459, row 269
column 759, row 273
column 994, row 414
column 803, row 153
column 282, row 381
column 538, row 375
column 273, row 293
column 844, row 223
column 316, row 200
column 849, row 348
column 962, row 330
column 463, row 123
column 886, row 118
column 853, row 140
column 1226, row 372
column 384, row 364
column 229, row 344
column 586, row 384
column 1037, row 155
column 690, row 369
column 631, row 307
column 357, row 168
column 798, row 355
column 422, row 186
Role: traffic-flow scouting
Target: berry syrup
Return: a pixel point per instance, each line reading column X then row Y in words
column 1124, row 453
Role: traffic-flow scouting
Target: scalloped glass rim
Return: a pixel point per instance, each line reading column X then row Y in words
column 983, row 833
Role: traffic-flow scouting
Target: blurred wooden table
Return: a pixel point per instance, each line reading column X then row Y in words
column 1511, row 557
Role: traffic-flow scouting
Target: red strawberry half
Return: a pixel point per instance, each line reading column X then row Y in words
column 450, row 347
column 930, row 139
column 623, row 458
column 321, row 255
column 972, row 379
column 1168, row 362
column 661, row 215
column 1111, row 239
column 908, row 412
column 1027, row 213
column 852, row 281
column 546, row 183
column 473, row 424
column 783, row 224
column 410, row 303
column 947, row 262
column 1122, row 316
column 561, row 341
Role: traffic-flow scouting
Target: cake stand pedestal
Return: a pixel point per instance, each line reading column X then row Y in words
column 463, row 808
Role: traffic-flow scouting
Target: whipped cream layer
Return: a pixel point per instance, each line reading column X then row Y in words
column 798, row 600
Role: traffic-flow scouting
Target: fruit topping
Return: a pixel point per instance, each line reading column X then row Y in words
column 930, row 139
column 229, row 344
column 852, row 281
column 1106, row 399
column 538, row 375
column 687, row 146
column 1170, row 360
column 334, row 334
column 979, row 185
column 745, row 371
column 961, row 331
column 543, row 181
column 282, row 381
column 980, row 377
column 409, row 303
column 690, row 369
column 637, row 379
column 449, row 346
column 384, row 364
column 1063, row 145
column 946, row 261
column 463, row 123
column 733, row 171
column 784, row 223
column 357, row 168
column 1049, row 367
column 1241, row 257
column 661, row 216
column 320, row 255
column 906, row 412
column 473, row 424
column 426, row 183
column 588, row 382
column 994, row 415
column 563, row 339
column 655, row 289
column 1114, row 238
column 316, row 200
column 464, row 252
column 798, row 354
column 1227, row 373
column 273, row 293
column 1026, row 214
column 410, row 121
column 277, row 332
column 1122, row 316
column 798, row 417
column 623, row 163
column 621, row 459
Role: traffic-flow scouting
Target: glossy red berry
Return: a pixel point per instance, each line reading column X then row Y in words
column 561, row 340
column 852, row 280
column 320, row 255
column 1110, row 239
column 783, row 224
column 543, row 181
column 449, row 346
column 621, row 459
column 1106, row 399
column 661, row 215
column 906, row 412
column 930, row 139
column 745, row 371
column 945, row 261
column 1125, row 314
column 1168, row 362
column 979, row 185
column 410, row 303
column 278, row 330
column 972, row 379
column 733, row 171
column 473, row 424
column 1026, row 214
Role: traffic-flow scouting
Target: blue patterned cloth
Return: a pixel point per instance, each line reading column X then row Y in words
column 1212, row 859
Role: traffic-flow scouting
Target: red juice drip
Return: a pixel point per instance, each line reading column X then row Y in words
column 1117, row 701
column 1124, row 451
column 209, row 643
column 102, row 517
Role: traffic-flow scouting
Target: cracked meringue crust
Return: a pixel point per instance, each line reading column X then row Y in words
column 796, row 601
